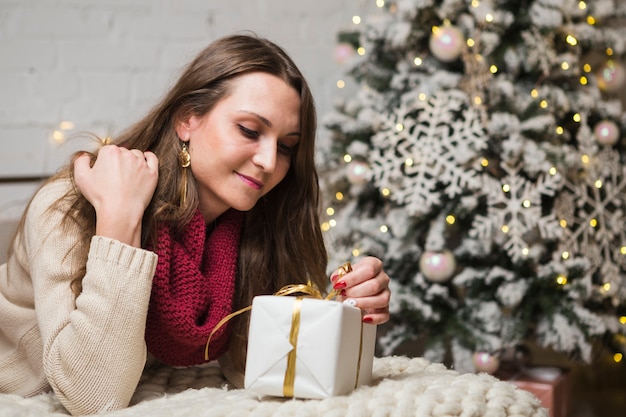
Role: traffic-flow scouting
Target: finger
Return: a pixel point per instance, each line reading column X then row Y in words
column 376, row 317
column 151, row 160
column 138, row 154
column 82, row 163
column 363, row 270
column 367, row 288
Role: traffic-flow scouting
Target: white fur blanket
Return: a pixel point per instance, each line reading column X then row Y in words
column 401, row 387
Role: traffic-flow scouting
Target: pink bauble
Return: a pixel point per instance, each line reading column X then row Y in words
column 607, row 132
column 486, row 362
column 611, row 77
column 446, row 43
column 437, row 266
column 358, row 172
column 343, row 52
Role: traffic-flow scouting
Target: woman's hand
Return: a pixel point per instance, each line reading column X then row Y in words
column 119, row 185
column 366, row 287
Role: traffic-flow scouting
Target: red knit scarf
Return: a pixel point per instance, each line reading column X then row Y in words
column 193, row 290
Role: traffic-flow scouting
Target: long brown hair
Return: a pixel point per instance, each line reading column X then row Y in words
column 282, row 242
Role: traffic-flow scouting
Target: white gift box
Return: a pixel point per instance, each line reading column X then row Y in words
column 334, row 352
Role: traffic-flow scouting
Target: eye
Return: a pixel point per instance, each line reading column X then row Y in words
column 249, row 133
column 285, row 148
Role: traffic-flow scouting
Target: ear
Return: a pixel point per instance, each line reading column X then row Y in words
column 186, row 127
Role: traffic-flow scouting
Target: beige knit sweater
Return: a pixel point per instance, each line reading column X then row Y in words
column 89, row 349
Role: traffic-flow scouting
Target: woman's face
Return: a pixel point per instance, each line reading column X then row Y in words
column 242, row 148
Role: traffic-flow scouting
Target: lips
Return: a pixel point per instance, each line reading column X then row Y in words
column 254, row 183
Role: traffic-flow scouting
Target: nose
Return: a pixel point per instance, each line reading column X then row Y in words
column 265, row 155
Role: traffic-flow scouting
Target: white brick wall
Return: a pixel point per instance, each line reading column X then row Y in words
column 101, row 63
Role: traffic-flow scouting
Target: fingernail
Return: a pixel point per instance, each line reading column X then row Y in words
column 339, row 285
column 334, row 277
column 350, row 302
column 367, row 319
column 343, row 293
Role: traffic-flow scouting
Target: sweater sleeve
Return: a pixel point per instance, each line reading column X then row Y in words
column 93, row 345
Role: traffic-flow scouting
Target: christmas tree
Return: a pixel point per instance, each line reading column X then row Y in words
column 479, row 150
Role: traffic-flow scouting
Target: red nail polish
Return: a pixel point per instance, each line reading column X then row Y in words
column 339, row 285
column 334, row 277
column 343, row 293
column 367, row 319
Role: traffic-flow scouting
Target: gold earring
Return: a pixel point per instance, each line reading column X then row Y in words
column 184, row 157
column 185, row 161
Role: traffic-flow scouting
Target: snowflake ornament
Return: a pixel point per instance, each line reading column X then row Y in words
column 592, row 207
column 515, row 211
column 426, row 149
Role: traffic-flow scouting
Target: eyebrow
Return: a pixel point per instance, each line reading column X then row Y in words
column 266, row 122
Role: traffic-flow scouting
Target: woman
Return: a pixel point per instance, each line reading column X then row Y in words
column 144, row 246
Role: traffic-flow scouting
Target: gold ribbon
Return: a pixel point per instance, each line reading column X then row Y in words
column 308, row 290
column 290, row 372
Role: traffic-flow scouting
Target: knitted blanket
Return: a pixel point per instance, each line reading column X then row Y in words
column 401, row 387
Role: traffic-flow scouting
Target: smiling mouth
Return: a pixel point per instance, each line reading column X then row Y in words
column 251, row 181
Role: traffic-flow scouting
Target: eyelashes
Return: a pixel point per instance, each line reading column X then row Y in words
column 249, row 133
column 253, row 134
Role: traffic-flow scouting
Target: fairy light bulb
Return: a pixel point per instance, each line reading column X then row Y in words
column 450, row 219
column 571, row 40
column 58, row 137
column 66, row 125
